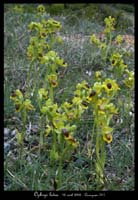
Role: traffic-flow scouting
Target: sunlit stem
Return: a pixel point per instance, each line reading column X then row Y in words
column 108, row 46
column 41, row 131
column 60, row 162
column 103, row 154
column 24, row 117
column 51, row 94
column 91, row 140
column 29, row 76
column 100, row 155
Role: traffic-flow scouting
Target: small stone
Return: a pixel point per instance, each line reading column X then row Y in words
column 29, row 160
column 13, row 133
column 6, row 147
column 130, row 113
column 6, row 131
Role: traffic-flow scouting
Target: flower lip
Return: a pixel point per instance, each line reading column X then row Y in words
column 109, row 85
column 65, row 132
column 87, row 85
column 72, row 140
column 108, row 138
column 84, row 103
column 93, row 93
column 33, row 43
column 17, row 107
column 53, row 82
column 43, row 34
column 13, row 94
column 40, row 55
column 113, row 61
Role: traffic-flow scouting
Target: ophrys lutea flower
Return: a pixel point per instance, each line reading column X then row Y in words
column 109, row 22
column 108, row 138
column 91, row 97
column 98, row 75
column 117, row 61
column 53, row 80
column 110, row 86
column 20, row 102
column 129, row 81
column 42, row 93
column 119, row 39
column 69, row 138
column 107, row 134
column 95, row 40
column 41, row 9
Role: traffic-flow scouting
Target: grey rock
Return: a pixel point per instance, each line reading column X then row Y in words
column 13, row 133
column 6, row 131
column 6, row 147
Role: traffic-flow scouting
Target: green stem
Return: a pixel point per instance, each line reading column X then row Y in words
column 35, row 83
column 24, row 117
column 60, row 161
column 65, row 151
column 100, row 159
column 103, row 154
column 29, row 77
column 54, row 141
column 41, row 131
column 53, row 150
column 54, row 145
column 91, row 140
column 99, row 165
column 51, row 94
column 108, row 47
column 129, row 101
column 97, row 145
column 60, row 173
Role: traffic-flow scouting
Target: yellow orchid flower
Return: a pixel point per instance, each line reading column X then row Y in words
column 91, row 97
column 27, row 105
column 48, row 130
column 53, row 80
column 95, row 40
column 42, row 93
column 129, row 81
column 97, row 87
column 98, row 75
column 119, row 39
column 69, row 138
column 110, row 86
column 108, row 138
column 41, row 9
